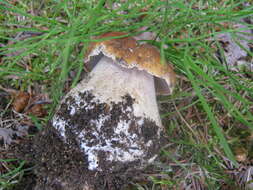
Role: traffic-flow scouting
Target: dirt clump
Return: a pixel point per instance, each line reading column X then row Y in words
column 61, row 162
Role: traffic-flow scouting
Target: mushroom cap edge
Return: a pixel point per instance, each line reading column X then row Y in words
column 129, row 54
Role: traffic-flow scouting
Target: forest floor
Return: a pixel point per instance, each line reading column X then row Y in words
column 208, row 118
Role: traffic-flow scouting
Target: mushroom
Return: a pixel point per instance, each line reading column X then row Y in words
column 112, row 116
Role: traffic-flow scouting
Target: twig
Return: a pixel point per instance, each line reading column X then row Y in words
column 182, row 118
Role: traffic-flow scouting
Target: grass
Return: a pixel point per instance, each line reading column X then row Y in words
column 208, row 117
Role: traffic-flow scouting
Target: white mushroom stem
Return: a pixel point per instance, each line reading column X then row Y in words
column 110, row 82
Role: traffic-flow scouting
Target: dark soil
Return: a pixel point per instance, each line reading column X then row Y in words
column 62, row 164
column 28, row 181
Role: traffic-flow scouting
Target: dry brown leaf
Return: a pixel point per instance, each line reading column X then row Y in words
column 21, row 100
column 37, row 110
column 30, row 104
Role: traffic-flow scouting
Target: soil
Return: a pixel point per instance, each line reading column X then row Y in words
column 28, row 181
column 62, row 165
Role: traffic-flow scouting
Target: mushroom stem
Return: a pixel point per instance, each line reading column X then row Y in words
column 110, row 82
column 131, row 118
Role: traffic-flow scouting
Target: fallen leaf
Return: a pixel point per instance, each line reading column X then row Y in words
column 8, row 134
column 21, row 100
column 37, row 110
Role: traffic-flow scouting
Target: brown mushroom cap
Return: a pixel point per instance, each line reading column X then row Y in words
column 127, row 52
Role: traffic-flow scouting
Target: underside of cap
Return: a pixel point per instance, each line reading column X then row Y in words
column 129, row 54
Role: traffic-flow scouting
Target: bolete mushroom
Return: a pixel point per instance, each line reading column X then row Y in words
column 112, row 115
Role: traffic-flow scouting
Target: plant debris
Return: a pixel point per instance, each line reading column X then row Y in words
column 7, row 135
column 21, row 100
column 236, row 48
